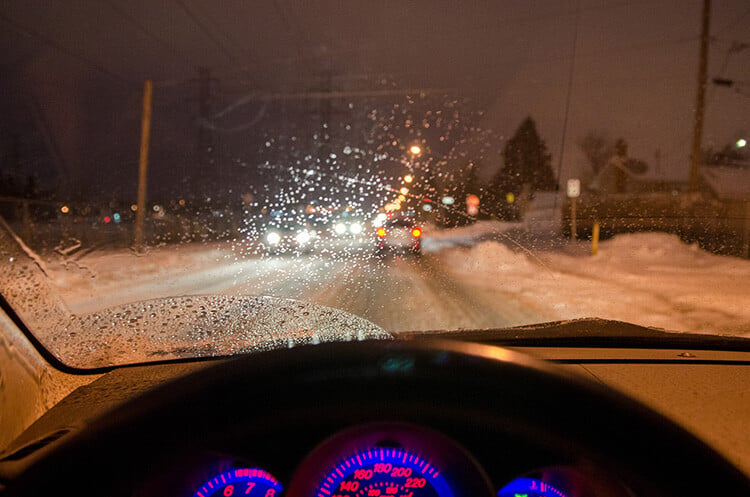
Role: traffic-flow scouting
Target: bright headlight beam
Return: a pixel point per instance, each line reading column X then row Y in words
column 273, row 238
column 303, row 237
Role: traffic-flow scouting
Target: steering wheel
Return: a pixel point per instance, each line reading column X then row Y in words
column 490, row 389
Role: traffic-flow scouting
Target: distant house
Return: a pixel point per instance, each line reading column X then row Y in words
column 623, row 175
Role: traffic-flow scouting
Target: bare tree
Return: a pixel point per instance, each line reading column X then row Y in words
column 597, row 148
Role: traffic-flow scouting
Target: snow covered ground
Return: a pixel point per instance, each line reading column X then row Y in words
column 489, row 274
column 652, row 279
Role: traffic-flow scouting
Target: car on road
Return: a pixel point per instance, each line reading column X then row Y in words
column 398, row 235
column 289, row 239
column 346, row 233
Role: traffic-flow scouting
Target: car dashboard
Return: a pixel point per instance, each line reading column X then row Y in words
column 405, row 418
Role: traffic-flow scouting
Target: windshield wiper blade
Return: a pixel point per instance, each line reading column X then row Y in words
column 590, row 332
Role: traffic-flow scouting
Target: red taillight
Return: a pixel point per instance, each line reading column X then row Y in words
column 380, row 232
column 416, row 232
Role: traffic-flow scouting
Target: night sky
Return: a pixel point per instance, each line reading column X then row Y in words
column 71, row 76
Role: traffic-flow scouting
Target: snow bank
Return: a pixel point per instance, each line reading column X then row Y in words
column 652, row 279
column 464, row 236
column 92, row 277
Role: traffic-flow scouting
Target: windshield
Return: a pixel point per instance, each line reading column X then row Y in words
column 421, row 165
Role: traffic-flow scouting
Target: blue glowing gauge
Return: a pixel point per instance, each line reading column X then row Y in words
column 384, row 472
column 529, row 487
column 252, row 482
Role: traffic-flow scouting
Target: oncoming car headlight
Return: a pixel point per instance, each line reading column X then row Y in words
column 273, row 238
column 355, row 228
column 339, row 228
column 303, row 237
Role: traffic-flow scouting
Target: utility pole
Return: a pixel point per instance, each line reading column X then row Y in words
column 700, row 99
column 140, row 212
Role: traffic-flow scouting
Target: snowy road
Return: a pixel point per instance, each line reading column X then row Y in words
column 481, row 276
column 399, row 294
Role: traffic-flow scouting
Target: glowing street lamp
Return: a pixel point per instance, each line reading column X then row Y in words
column 408, row 178
column 415, row 149
column 741, row 143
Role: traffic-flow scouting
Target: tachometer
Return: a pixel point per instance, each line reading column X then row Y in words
column 384, row 472
column 251, row 482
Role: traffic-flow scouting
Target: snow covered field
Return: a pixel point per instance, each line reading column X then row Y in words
column 479, row 276
column 652, row 279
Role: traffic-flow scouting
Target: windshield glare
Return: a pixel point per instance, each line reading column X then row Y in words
column 420, row 166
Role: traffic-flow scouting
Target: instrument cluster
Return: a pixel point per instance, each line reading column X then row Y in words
column 376, row 460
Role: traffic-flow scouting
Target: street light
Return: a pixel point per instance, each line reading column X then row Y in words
column 741, row 143
column 415, row 149
column 408, row 178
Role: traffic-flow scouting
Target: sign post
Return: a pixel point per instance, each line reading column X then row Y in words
column 574, row 191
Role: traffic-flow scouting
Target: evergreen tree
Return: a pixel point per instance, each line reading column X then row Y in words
column 527, row 161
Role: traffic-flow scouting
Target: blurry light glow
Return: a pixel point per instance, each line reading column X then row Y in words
column 107, row 219
column 510, row 198
column 427, row 207
column 408, row 178
column 416, row 232
column 273, row 238
column 741, row 143
column 404, row 191
column 448, row 200
column 133, row 207
column 401, row 198
column 116, row 217
column 415, row 149
column 379, row 220
column 339, row 228
column 380, row 232
column 64, row 209
column 355, row 228
column 303, row 237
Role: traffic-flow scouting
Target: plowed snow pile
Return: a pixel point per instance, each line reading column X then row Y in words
column 652, row 279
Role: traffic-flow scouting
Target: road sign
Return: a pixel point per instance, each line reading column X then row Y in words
column 574, row 188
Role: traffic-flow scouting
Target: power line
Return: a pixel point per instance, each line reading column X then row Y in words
column 571, row 74
column 734, row 21
column 145, row 31
column 223, row 48
column 285, row 20
column 67, row 51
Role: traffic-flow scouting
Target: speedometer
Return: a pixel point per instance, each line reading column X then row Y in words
column 389, row 460
column 384, row 472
